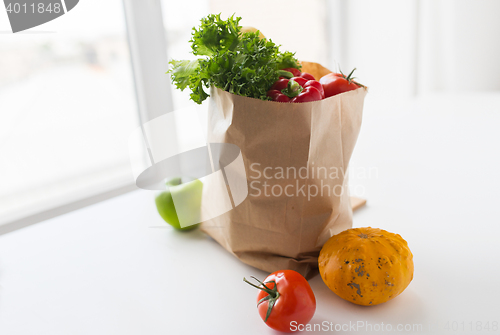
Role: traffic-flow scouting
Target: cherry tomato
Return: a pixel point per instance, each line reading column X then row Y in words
column 317, row 85
column 285, row 296
column 294, row 71
column 308, row 76
column 309, row 93
column 336, row 83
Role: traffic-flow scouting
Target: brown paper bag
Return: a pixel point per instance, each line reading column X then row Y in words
column 300, row 151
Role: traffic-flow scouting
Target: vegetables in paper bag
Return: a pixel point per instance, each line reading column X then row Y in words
column 240, row 63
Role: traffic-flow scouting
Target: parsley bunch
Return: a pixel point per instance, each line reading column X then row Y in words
column 242, row 64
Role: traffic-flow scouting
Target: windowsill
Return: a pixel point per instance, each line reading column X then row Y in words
column 26, row 208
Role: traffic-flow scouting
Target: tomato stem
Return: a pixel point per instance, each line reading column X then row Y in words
column 350, row 79
column 271, row 297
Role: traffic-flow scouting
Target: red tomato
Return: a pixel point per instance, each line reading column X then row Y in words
column 308, row 76
column 336, row 83
column 290, row 297
column 317, row 85
column 309, row 93
column 294, row 71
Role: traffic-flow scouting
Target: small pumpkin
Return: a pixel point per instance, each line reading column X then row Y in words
column 366, row 266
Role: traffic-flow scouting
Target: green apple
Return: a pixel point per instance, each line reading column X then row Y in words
column 188, row 199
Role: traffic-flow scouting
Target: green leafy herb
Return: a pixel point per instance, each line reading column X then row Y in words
column 242, row 64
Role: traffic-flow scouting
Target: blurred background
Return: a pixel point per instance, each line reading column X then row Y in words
column 73, row 89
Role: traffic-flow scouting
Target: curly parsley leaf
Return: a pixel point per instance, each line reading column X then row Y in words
column 182, row 70
column 215, row 35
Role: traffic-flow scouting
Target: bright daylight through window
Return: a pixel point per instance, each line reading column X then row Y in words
column 67, row 106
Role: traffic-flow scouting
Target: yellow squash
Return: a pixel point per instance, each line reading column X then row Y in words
column 248, row 29
column 366, row 266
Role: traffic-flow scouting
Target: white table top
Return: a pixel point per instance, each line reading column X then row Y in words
column 104, row 270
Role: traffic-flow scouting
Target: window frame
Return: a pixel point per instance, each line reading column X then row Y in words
column 149, row 61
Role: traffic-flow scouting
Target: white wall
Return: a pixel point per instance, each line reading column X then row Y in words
column 380, row 43
column 298, row 25
column 421, row 46
column 459, row 45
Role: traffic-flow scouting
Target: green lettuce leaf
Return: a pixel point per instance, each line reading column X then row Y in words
column 242, row 64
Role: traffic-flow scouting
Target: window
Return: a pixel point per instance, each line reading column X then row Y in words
column 67, row 107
